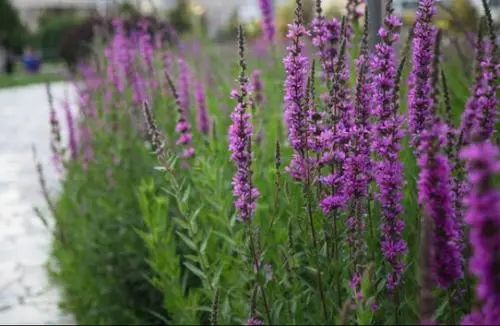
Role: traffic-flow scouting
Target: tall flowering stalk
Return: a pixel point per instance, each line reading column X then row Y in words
column 435, row 195
column 325, row 38
column 298, row 105
column 296, row 71
column 183, row 86
column 156, row 138
column 240, row 146
column 336, row 136
column 480, row 114
column 201, row 101
column 147, row 52
column 353, row 10
column 70, row 123
column 118, row 55
column 266, row 9
column 183, row 127
column 55, row 130
column 240, row 136
column 387, row 146
column 146, row 46
column 483, row 217
column 420, row 99
column 138, row 88
column 257, row 88
column 358, row 162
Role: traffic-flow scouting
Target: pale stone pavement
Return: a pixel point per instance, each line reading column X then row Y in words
column 26, row 296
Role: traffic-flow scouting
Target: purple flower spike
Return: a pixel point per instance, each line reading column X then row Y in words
column 266, row 8
column 146, row 46
column 118, row 55
column 70, row 123
column 296, row 111
column 183, row 85
column 325, row 38
column 257, row 87
column 183, row 128
column 203, row 119
column 240, row 146
column 435, row 195
column 387, row 146
column 483, row 217
column 480, row 114
column 254, row 321
column 420, row 99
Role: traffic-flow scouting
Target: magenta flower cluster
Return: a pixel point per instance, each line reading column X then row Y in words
column 435, row 195
column 257, row 88
column 483, row 218
column 387, row 134
column 295, row 110
column 420, row 99
column 266, row 9
column 203, row 118
column 240, row 146
column 325, row 38
column 480, row 114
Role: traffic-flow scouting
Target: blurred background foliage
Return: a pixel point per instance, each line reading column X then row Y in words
column 65, row 34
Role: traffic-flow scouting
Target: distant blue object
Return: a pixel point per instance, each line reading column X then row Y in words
column 31, row 63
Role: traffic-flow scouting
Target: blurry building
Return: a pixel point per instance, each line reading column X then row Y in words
column 31, row 10
column 409, row 6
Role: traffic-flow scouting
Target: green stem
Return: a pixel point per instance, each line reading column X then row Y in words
column 257, row 266
column 316, row 249
column 337, row 259
column 452, row 309
column 370, row 221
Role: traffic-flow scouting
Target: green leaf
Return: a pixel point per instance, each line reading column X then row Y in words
column 187, row 241
column 195, row 270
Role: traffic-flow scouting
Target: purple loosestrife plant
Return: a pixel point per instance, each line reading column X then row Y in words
column 386, row 144
column 84, row 131
column 55, row 130
column 70, row 124
column 420, row 100
column 240, row 137
column 201, row 101
column 146, row 47
column 266, row 9
column 257, row 88
column 435, row 195
column 353, row 10
column 183, row 86
column 183, row 127
column 296, row 71
column 483, row 218
column 325, row 38
column 118, row 55
column 358, row 162
column 480, row 114
column 138, row 88
column 337, row 134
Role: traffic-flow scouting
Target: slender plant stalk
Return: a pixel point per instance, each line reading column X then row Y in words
column 256, row 263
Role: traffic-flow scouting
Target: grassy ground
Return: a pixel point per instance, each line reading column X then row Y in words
column 50, row 72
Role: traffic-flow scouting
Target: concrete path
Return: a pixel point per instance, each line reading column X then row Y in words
column 26, row 296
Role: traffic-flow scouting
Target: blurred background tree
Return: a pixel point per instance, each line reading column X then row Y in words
column 13, row 35
column 180, row 17
column 53, row 26
column 457, row 16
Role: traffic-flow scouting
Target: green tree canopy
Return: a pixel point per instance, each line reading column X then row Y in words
column 12, row 32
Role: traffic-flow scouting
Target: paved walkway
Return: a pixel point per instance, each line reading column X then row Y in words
column 26, row 297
